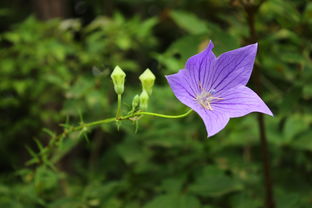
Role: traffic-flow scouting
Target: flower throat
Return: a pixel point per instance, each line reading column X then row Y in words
column 206, row 98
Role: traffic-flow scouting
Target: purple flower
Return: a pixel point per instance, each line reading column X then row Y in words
column 215, row 87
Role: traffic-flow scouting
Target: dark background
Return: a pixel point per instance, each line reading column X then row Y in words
column 55, row 60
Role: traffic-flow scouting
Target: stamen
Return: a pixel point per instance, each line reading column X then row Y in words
column 206, row 98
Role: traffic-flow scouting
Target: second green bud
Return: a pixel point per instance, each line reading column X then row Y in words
column 147, row 79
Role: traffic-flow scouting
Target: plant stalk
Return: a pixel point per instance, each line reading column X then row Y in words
column 251, row 11
column 118, row 107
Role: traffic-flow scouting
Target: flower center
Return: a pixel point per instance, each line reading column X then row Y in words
column 206, row 98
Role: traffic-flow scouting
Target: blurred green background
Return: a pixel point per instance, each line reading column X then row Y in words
column 55, row 60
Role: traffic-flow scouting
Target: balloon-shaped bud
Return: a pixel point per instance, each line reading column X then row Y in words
column 118, row 76
column 147, row 79
column 135, row 101
column 144, row 100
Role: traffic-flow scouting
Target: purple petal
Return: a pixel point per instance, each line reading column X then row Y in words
column 239, row 101
column 182, row 88
column 214, row 120
column 200, row 67
column 233, row 68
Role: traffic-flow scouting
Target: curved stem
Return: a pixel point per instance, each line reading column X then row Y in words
column 163, row 115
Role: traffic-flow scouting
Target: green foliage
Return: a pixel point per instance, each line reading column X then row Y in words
column 57, row 72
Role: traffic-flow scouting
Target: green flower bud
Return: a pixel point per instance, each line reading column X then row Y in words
column 147, row 79
column 118, row 76
column 144, row 100
column 135, row 101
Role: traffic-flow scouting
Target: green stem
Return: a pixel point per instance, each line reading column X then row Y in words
column 118, row 106
column 109, row 120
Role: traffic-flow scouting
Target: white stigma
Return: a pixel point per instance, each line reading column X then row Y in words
column 206, row 98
